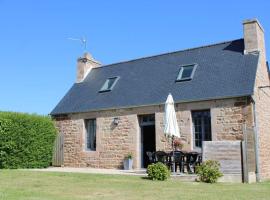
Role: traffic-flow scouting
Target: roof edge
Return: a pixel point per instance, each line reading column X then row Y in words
column 155, row 104
column 254, row 81
column 172, row 52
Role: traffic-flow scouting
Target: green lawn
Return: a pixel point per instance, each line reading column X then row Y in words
column 16, row 184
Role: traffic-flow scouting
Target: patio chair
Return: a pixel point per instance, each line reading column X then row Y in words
column 150, row 156
column 190, row 161
column 198, row 161
column 163, row 157
column 178, row 160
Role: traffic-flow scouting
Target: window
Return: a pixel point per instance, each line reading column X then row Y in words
column 90, row 136
column 109, row 84
column 147, row 119
column 201, row 127
column 186, row 72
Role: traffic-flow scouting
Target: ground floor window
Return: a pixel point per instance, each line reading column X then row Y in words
column 201, row 127
column 90, row 136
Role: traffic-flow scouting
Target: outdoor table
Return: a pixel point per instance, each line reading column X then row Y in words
column 190, row 159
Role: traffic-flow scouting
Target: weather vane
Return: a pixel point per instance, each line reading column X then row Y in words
column 82, row 40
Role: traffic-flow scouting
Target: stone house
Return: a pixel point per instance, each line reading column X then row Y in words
column 218, row 90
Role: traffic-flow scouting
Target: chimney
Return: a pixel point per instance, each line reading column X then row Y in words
column 254, row 37
column 84, row 66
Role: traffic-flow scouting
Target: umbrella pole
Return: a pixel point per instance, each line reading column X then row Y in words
column 173, row 155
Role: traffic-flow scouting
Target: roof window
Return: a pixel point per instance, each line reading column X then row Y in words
column 109, row 84
column 186, row 72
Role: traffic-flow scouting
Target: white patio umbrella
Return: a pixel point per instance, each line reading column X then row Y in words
column 170, row 121
column 171, row 127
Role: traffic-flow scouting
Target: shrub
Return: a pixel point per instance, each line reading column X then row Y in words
column 158, row 171
column 209, row 171
column 26, row 141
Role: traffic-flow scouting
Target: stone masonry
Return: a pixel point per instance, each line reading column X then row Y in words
column 114, row 142
column 84, row 66
column 254, row 43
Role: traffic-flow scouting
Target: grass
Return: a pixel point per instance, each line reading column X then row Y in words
column 29, row 185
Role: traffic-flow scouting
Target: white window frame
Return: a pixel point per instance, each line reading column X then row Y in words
column 103, row 89
column 182, row 67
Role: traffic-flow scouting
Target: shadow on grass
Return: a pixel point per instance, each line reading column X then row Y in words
column 146, row 178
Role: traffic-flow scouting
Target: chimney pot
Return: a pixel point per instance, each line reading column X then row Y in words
column 87, row 55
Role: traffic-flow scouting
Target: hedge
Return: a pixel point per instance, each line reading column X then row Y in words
column 26, row 140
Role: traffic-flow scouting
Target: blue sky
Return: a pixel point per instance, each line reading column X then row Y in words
column 38, row 62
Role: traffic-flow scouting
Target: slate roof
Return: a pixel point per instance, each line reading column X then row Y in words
column 223, row 71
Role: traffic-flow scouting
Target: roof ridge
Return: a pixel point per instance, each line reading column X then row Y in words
column 172, row 52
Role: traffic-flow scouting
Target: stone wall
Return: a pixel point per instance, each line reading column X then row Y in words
column 262, row 102
column 227, row 118
column 69, row 128
column 116, row 141
column 255, row 43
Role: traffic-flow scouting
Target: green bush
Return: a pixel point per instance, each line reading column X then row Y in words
column 26, row 141
column 158, row 171
column 209, row 171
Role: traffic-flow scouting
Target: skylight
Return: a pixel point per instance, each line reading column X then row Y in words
column 186, row 72
column 109, row 84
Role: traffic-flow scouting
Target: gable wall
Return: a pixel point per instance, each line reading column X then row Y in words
column 262, row 101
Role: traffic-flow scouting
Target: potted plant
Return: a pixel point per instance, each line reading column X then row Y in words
column 128, row 162
column 178, row 144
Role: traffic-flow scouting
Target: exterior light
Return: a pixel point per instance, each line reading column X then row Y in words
column 116, row 120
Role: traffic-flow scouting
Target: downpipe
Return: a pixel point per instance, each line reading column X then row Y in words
column 257, row 159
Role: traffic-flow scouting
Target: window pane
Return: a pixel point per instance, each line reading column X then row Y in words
column 197, row 126
column 105, row 86
column 208, row 135
column 109, row 83
column 187, row 71
column 90, row 134
column 202, row 127
column 144, row 118
column 151, row 118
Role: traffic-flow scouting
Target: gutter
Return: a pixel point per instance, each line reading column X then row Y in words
column 257, row 158
column 146, row 105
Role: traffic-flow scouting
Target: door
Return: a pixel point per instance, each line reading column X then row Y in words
column 58, row 153
column 148, row 137
column 201, row 127
column 148, row 143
